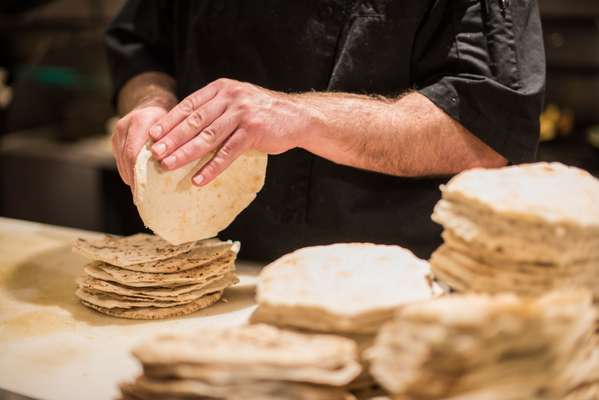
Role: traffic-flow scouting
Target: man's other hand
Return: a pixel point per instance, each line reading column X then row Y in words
column 226, row 118
column 130, row 135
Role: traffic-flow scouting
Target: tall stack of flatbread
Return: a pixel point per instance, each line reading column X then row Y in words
column 491, row 347
column 526, row 229
column 343, row 289
column 253, row 362
column 144, row 277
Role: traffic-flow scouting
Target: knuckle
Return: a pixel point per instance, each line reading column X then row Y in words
column 168, row 143
column 223, row 82
column 120, row 126
column 213, row 167
column 244, row 105
column 184, row 153
column 243, row 137
column 254, row 122
column 225, row 152
column 237, row 90
column 209, row 135
column 195, row 120
column 231, row 147
column 187, row 105
column 135, row 119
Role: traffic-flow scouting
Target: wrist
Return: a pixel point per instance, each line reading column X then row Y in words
column 166, row 102
column 146, row 90
column 313, row 122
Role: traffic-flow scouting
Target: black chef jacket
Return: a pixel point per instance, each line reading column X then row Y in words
column 481, row 61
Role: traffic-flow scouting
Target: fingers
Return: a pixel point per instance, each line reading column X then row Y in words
column 209, row 140
column 183, row 110
column 137, row 136
column 118, row 137
column 195, row 123
column 232, row 148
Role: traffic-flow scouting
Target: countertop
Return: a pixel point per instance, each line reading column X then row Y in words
column 51, row 346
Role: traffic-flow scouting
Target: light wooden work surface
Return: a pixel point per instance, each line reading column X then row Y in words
column 52, row 347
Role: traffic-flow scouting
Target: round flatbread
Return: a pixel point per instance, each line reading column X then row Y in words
column 125, row 277
column 157, row 312
column 107, row 300
column 187, row 389
column 348, row 287
column 178, row 293
column 541, row 192
column 225, row 356
column 204, row 253
column 172, row 207
column 130, row 250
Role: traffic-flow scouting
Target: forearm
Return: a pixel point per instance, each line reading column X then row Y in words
column 151, row 88
column 409, row 136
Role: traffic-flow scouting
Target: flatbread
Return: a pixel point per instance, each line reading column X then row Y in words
column 222, row 374
column 130, row 250
column 265, row 390
column 107, row 272
column 351, row 287
column 178, row 293
column 315, row 319
column 114, row 301
column 585, row 392
column 550, row 193
column 193, row 212
column 506, row 237
column 464, row 346
column 206, row 252
column 463, row 272
column 158, row 312
column 254, row 346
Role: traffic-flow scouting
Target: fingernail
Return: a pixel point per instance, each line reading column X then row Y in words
column 169, row 161
column 197, row 180
column 159, row 148
column 156, row 131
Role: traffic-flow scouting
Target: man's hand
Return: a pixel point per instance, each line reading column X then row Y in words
column 130, row 135
column 227, row 118
column 406, row 136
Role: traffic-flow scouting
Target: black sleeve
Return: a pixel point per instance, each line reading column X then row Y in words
column 483, row 63
column 139, row 39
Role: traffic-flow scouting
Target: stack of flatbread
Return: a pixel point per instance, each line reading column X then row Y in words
column 345, row 289
column 249, row 362
column 144, row 277
column 492, row 347
column 526, row 229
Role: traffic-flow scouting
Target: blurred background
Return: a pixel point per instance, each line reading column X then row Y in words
column 56, row 113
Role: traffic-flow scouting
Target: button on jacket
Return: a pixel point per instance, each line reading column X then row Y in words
column 480, row 61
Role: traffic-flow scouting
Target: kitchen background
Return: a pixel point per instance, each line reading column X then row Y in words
column 56, row 115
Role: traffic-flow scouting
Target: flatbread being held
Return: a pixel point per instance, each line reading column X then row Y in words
column 194, row 213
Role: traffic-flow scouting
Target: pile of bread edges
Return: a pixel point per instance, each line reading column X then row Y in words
column 506, row 309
